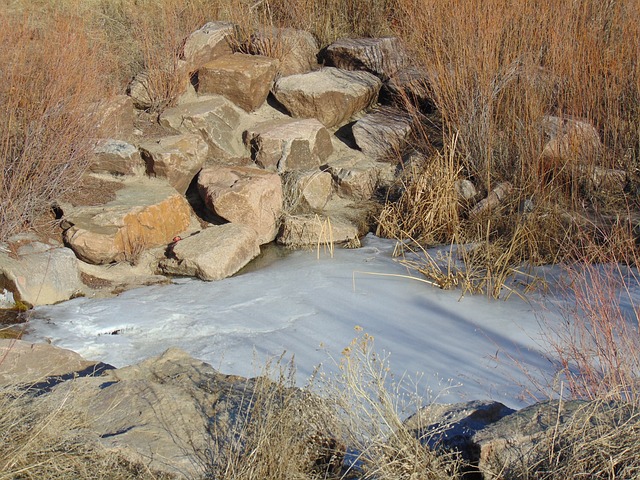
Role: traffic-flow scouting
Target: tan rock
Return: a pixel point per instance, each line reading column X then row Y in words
column 178, row 158
column 356, row 177
column 315, row 230
column 214, row 253
column 297, row 50
column 330, row 95
column 145, row 213
column 116, row 157
column 310, row 189
column 248, row 196
column 217, row 120
column 243, row 79
column 40, row 276
column 115, row 117
column 289, row 144
column 29, row 363
column 570, row 140
column 207, row 43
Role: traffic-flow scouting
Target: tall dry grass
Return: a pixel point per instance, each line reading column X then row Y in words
column 52, row 77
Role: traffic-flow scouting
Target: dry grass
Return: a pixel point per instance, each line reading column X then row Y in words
column 40, row 439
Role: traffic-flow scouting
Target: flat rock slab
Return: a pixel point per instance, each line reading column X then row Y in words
column 244, row 195
column 380, row 56
column 297, row 50
column 178, row 158
column 383, row 132
column 212, row 40
column 116, row 157
column 217, row 120
column 289, row 144
column 244, row 79
column 331, row 95
column 40, row 274
column 315, row 230
column 145, row 213
column 214, row 253
column 24, row 363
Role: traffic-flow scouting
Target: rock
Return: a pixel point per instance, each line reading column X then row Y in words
column 495, row 197
column 212, row 40
column 178, row 158
column 309, row 189
column 289, row 144
column 570, row 141
column 145, row 213
column 410, row 86
column 116, row 157
column 452, row 426
column 243, row 79
column 115, row 117
column 248, row 196
column 356, row 177
column 217, row 120
column 330, row 95
column 296, row 50
column 383, row 132
column 314, row 230
column 40, row 276
column 380, row 56
column 514, row 441
column 25, row 363
column 140, row 91
column 178, row 415
column 214, row 253
column 465, row 189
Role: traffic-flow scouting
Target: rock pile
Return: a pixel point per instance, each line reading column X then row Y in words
column 282, row 148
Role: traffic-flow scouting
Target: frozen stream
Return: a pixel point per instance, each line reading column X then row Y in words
column 309, row 307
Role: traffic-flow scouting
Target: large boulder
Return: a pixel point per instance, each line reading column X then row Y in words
column 28, row 364
column 178, row 158
column 289, row 144
column 217, row 120
column 248, row 196
column 116, row 157
column 297, row 50
column 178, row 415
column 39, row 274
column 144, row 214
column 380, row 56
column 214, row 253
column 331, row 95
column 207, row 43
column 383, row 132
column 244, row 79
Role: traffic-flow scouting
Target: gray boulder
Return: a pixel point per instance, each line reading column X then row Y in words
column 317, row 231
column 383, row 132
column 380, row 56
column 331, row 95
